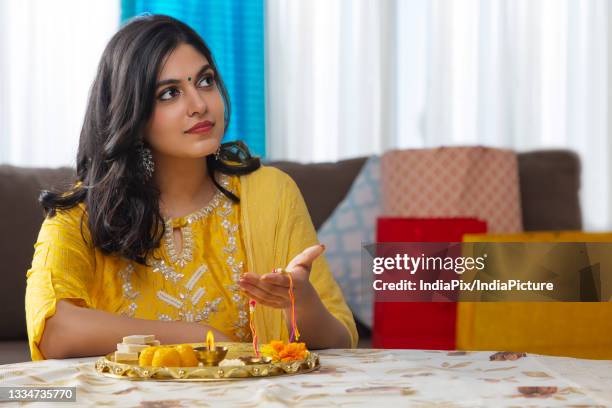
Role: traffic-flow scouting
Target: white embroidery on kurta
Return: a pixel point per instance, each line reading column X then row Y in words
column 159, row 266
column 197, row 296
column 126, row 276
column 196, row 277
column 128, row 291
column 171, row 300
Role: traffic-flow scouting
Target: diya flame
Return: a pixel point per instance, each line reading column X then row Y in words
column 210, row 340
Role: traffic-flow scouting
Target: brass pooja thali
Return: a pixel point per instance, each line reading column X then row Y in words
column 208, row 368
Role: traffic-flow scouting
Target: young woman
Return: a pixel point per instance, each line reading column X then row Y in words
column 167, row 231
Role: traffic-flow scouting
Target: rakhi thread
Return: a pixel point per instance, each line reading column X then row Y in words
column 295, row 333
column 252, row 304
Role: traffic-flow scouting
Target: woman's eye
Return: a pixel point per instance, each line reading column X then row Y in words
column 168, row 94
column 206, row 81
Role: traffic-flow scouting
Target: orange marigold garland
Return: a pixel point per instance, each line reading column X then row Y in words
column 279, row 351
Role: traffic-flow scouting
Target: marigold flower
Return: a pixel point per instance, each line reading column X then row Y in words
column 279, row 351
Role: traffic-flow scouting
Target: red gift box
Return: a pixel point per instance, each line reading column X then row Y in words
column 419, row 325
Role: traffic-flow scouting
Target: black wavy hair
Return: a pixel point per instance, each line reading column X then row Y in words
column 122, row 205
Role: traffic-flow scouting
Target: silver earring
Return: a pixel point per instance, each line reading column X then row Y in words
column 218, row 153
column 146, row 161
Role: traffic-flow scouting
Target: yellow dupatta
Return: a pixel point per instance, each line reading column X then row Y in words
column 276, row 226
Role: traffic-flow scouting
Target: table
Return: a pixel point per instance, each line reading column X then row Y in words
column 350, row 378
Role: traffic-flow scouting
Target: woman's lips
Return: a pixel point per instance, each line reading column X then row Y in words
column 202, row 127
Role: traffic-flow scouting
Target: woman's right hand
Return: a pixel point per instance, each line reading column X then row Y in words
column 75, row 331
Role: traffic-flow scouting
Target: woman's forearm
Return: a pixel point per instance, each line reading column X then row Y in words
column 77, row 331
column 318, row 328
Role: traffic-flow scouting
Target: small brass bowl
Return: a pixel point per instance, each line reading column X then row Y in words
column 256, row 360
column 210, row 357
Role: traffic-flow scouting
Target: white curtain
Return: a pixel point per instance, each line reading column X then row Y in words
column 348, row 78
column 49, row 51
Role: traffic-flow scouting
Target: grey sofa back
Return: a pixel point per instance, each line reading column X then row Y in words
column 549, row 182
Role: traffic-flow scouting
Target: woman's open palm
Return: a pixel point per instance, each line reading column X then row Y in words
column 272, row 289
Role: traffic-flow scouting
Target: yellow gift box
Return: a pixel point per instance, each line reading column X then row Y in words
column 571, row 329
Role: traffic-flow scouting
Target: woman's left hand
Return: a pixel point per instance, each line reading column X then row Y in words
column 272, row 289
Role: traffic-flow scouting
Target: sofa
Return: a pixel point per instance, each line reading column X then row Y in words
column 549, row 186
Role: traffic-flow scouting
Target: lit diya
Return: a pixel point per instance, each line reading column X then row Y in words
column 210, row 355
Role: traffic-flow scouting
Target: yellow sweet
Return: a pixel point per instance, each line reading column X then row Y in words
column 166, row 357
column 181, row 355
column 146, row 356
column 187, row 355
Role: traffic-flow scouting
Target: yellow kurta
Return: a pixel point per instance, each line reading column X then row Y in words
column 265, row 230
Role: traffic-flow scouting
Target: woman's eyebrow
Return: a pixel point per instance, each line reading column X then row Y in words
column 176, row 81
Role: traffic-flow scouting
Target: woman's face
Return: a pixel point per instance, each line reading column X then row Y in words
column 187, row 119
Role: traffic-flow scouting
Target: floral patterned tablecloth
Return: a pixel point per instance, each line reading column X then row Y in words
column 350, row 378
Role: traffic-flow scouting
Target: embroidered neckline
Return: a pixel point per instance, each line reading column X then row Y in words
column 184, row 225
column 179, row 222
